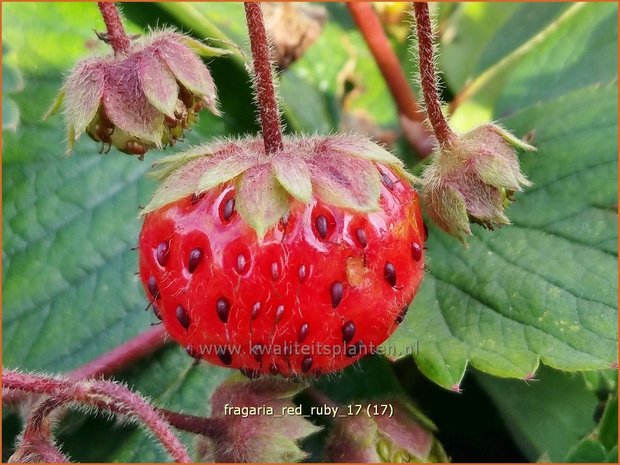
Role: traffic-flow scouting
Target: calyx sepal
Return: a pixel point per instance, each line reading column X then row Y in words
column 339, row 170
column 472, row 179
column 143, row 98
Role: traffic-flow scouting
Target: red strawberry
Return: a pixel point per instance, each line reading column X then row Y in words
column 299, row 263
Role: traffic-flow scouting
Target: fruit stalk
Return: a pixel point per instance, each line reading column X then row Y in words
column 117, row 37
column 428, row 78
column 213, row 428
column 102, row 395
column 263, row 75
column 37, row 443
column 116, row 360
column 123, row 356
column 370, row 26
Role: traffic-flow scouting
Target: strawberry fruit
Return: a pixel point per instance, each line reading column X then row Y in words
column 247, row 270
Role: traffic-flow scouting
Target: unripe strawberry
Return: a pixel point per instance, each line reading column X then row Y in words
column 404, row 436
column 473, row 178
column 259, row 423
column 145, row 97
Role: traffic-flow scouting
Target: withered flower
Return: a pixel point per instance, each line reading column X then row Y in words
column 143, row 98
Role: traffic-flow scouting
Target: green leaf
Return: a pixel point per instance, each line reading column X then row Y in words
column 12, row 80
column 339, row 52
column 69, row 224
column 579, row 44
column 544, row 288
column 608, row 428
column 546, row 416
column 588, row 450
column 478, row 35
column 70, row 293
column 10, row 114
column 310, row 88
column 602, row 444
column 373, row 378
column 38, row 54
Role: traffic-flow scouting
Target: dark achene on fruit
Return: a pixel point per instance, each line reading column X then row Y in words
column 307, row 257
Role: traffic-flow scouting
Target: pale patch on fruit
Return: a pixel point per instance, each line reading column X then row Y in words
column 356, row 271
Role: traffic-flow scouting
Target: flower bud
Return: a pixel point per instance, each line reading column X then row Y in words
column 404, row 436
column 144, row 98
column 261, row 424
column 473, row 179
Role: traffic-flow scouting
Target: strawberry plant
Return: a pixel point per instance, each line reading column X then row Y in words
column 395, row 241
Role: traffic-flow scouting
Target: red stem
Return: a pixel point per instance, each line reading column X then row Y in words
column 118, row 359
column 263, row 75
column 370, row 26
column 116, row 32
column 37, row 443
column 122, row 357
column 428, row 78
column 213, row 428
column 103, row 395
column 379, row 45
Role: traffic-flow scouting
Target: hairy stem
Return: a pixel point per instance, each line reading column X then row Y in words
column 103, row 395
column 117, row 360
column 37, row 442
column 123, row 356
column 428, row 78
column 117, row 37
column 263, row 75
column 211, row 427
column 379, row 45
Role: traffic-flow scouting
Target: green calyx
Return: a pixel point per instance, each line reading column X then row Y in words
column 145, row 98
column 339, row 170
column 473, row 180
column 403, row 436
column 259, row 437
